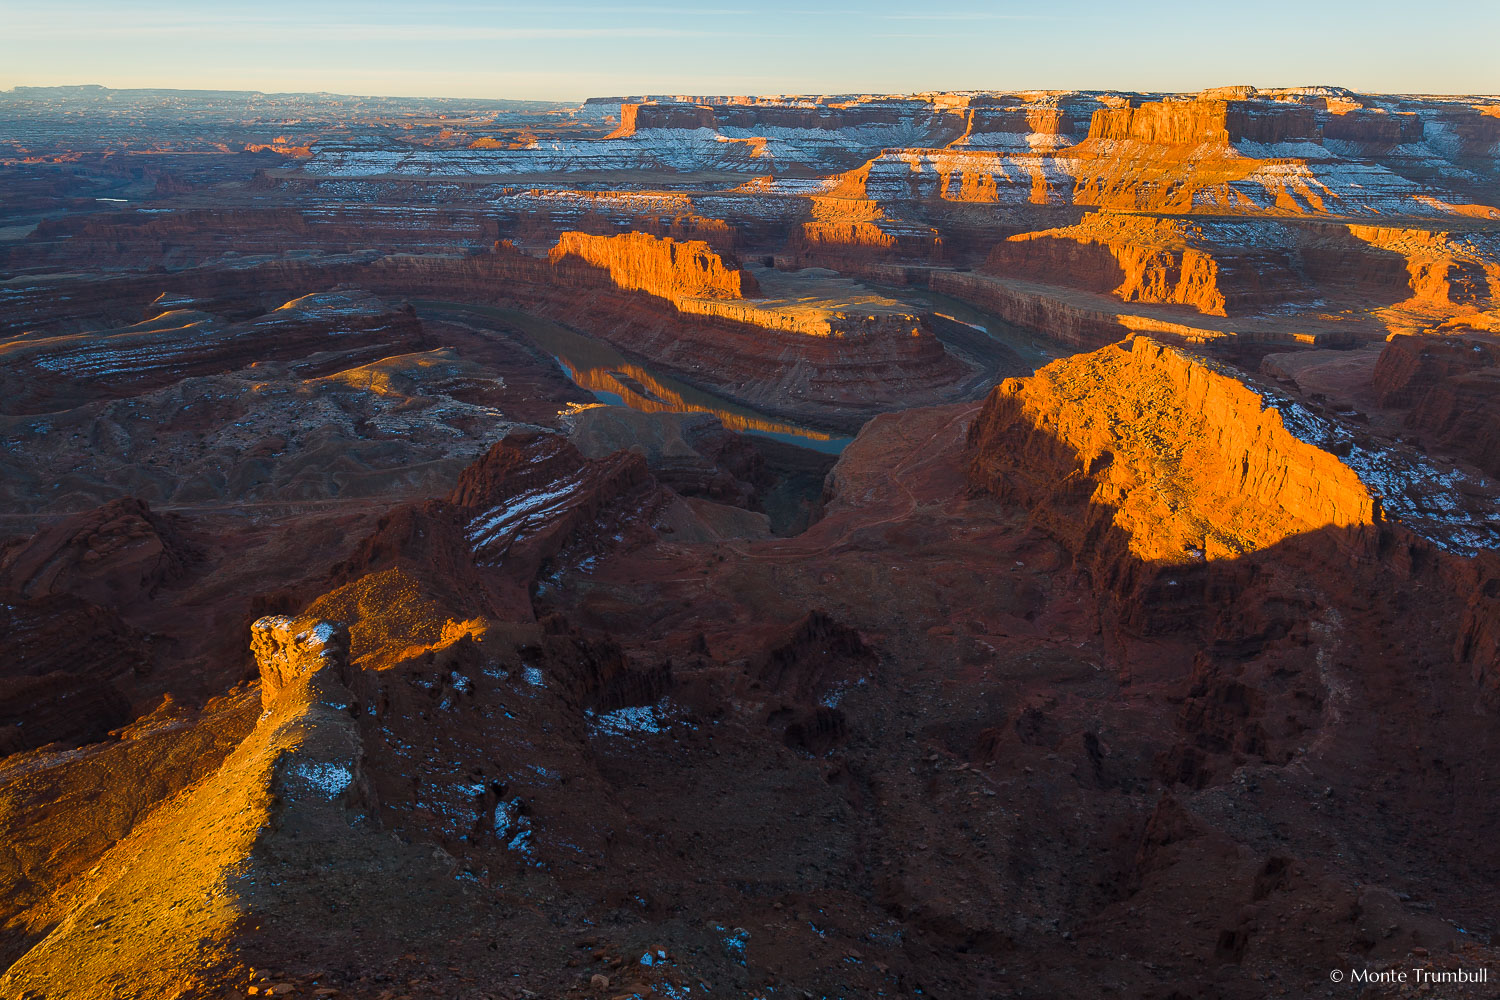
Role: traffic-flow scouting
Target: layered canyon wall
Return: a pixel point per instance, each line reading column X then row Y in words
column 663, row 267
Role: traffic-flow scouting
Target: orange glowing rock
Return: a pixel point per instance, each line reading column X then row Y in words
column 846, row 218
column 1152, row 260
column 290, row 650
column 659, row 266
column 1454, row 282
column 285, row 145
column 652, row 116
column 1179, row 462
column 1204, row 121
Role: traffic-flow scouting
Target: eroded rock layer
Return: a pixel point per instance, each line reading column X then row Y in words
column 659, row 266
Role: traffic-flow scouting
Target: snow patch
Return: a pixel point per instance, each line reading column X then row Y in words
column 637, row 720
column 329, row 780
column 1433, row 503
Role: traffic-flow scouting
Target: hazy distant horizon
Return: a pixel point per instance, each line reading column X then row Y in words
column 568, row 52
column 506, row 98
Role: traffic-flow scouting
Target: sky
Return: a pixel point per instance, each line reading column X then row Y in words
column 570, row 50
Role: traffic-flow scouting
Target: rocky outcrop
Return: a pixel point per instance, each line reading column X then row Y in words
column 659, row 266
column 289, row 651
column 1198, row 503
column 1453, row 282
column 1141, row 259
column 290, row 789
column 537, row 218
column 1062, row 311
column 850, row 231
column 118, row 554
column 1031, row 126
column 530, row 493
column 819, row 657
column 1212, row 473
column 481, row 548
column 634, row 117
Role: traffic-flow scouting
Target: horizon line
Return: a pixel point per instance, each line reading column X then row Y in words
column 767, row 94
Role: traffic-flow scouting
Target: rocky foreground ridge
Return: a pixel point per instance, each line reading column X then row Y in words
column 1111, row 679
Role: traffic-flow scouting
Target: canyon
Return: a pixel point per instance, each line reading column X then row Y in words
column 950, row 544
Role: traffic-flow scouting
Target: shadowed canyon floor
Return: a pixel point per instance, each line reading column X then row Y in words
column 953, row 545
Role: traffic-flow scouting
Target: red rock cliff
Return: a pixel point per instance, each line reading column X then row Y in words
column 1135, row 258
column 1193, row 122
column 1144, row 462
column 1138, row 258
column 659, row 266
column 648, row 116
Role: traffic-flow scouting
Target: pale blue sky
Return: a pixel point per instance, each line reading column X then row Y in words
column 571, row 50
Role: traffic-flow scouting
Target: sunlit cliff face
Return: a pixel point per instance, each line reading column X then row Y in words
column 1189, row 463
column 1154, row 260
column 696, row 280
column 1453, row 281
column 659, row 266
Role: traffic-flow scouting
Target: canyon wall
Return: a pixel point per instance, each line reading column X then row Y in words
column 1198, row 502
column 1174, row 123
column 802, row 116
column 1447, row 386
column 1451, row 280
column 659, row 266
column 1037, row 126
column 1133, row 258
column 1212, row 473
column 1373, row 126
column 1140, row 258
